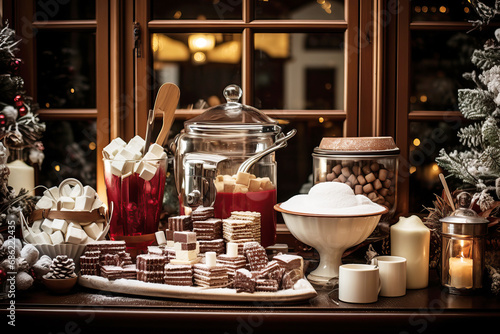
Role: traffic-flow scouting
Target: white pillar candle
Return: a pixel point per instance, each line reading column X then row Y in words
column 21, row 176
column 410, row 239
column 461, row 272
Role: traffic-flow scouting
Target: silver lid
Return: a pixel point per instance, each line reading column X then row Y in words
column 464, row 226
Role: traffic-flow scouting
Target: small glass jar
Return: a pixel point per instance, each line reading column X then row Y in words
column 462, row 253
column 367, row 164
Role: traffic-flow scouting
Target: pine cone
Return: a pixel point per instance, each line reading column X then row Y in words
column 62, row 267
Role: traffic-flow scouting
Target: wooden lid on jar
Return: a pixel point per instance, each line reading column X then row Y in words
column 359, row 145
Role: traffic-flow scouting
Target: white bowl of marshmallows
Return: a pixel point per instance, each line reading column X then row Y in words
column 330, row 218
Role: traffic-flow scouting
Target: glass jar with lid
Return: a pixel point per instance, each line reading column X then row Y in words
column 225, row 158
column 368, row 164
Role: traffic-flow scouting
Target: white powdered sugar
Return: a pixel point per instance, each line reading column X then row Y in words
column 332, row 198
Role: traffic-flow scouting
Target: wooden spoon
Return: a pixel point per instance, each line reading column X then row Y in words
column 166, row 102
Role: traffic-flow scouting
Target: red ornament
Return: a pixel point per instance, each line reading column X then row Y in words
column 22, row 111
column 3, row 276
column 2, row 119
column 18, row 101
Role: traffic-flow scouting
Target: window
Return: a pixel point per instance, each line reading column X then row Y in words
column 325, row 68
column 435, row 43
column 60, row 45
column 292, row 60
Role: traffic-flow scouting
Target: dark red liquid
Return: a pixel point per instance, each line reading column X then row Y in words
column 137, row 203
column 260, row 201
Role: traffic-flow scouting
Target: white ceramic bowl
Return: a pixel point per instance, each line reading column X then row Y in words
column 330, row 235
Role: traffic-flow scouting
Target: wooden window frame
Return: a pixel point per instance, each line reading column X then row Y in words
column 248, row 26
column 16, row 13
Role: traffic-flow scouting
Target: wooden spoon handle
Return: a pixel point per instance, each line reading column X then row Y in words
column 166, row 102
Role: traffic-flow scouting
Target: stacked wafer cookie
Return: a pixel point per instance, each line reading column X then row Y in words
column 179, row 274
column 241, row 227
column 150, row 268
column 210, row 274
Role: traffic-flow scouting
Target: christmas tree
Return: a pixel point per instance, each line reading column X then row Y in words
column 20, row 128
column 479, row 164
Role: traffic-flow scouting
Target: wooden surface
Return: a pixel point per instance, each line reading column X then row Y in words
column 427, row 310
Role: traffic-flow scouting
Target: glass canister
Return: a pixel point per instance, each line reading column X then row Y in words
column 462, row 253
column 209, row 152
column 368, row 164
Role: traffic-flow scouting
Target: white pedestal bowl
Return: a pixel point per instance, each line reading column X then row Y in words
column 330, row 235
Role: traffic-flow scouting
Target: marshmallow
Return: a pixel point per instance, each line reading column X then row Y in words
column 37, row 226
column 66, row 202
column 211, row 259
column 75, row 235
column 83, row 203
column 65, row 190
column 59, row 225
column 57, row 238
column 97, row 203
column 186, row 255
column 92, row 230
column 120, row 167
column 74, row 225
column 232, row 249
column 137, row 142
column 44, row 203
column 128, row 153
column 113, row 148
column 146, row 171
column 42, row 238
column 156, row 150
column 52, row 193
column 88, row 191
column 75, row 191
column 160, row 238
column 47, row 226
column 27, row 234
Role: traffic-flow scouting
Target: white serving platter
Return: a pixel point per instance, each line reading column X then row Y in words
column 302, row 290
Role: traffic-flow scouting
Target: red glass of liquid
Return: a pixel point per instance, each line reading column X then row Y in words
column 259, row 201
column 135, row 202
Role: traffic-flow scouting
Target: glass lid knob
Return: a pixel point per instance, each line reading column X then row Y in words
column 232, row 93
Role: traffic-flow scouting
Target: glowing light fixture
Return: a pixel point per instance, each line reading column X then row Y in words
column 201, row 42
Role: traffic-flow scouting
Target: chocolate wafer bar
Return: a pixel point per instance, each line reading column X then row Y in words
column 256, row 255
column 244, row 281
column 150, row 268
column 208, row 229
column 129, row 271
column 291, row 262
column 89, row 263
column 216, row 245
column 178, row 274
column 179, row 223
column 210, row 276
column 266, row 285
column 202, row 213
column 111, row 272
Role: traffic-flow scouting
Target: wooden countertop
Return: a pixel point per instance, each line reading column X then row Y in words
column 419, row 311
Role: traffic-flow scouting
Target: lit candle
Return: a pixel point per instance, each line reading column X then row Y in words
column 461, row 272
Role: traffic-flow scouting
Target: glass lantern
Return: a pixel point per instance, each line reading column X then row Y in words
column 462, row 257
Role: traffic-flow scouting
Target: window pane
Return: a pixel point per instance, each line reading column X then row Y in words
column 445, row 10
column 439, row 60
column 196, row 9
column 295, row 165
column 299, row 71
column 66, row 69
column 426, row 139
column 70, row 152
column 64, row 10
column 202, row 65
column 300, row 9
